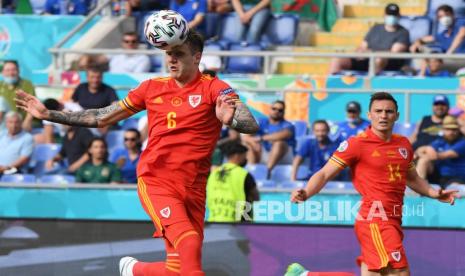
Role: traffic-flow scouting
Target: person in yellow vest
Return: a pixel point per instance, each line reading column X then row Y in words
column 231, row 189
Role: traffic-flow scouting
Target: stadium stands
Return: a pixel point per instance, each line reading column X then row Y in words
column 301, row 128
column 281, row 29
column 41, row 154
column 114, row 139
column 244, row 64
column 57, row 179
column 18, row 178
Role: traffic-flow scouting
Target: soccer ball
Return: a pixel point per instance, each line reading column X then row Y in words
column 166, row 28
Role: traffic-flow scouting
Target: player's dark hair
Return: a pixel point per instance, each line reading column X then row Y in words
column 95, row 68
column 378, row 96
column 52, row 104
column 446, row 9
column 321, row 122
column 95, row 139
column 130, row 33
column 280, row 102
column 195, row 41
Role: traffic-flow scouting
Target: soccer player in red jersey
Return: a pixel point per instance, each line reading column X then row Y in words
column 185, row 114
column 381, row 166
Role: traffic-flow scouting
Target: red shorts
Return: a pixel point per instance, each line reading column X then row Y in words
column 381, row 245
column 174, row 209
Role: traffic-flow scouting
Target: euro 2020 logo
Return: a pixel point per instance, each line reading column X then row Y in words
column 5, row 41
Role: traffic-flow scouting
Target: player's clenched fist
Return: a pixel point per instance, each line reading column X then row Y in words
column 298, row 196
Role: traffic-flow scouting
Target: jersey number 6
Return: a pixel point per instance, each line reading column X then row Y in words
column 170, row 119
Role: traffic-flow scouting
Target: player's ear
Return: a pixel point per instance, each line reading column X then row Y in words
column 197, row 57
column 369, row 115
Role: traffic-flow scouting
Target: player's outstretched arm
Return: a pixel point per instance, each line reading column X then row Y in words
column 421, row 186
column 87, row 118
column 316, row 182
column 235, row 114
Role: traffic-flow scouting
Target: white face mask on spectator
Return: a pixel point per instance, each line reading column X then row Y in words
column 445, row 21
column 391, row 20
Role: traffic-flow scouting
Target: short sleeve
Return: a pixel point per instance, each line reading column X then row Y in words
column 436, row 144
column 135, row 101
column 346, row 154
column 202, row 7
column 262, row 125
column 404, row 37
column 220, row 88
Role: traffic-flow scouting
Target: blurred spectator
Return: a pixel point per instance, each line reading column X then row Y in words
column 126, row 158
column 193, row 11
column 219, row 6
column 17, row 144
column 135, row 6
column 354, row 124
column 4, row 108
column 253, row 16
column 98, row 169
column 9, row 6
column 230, row 186
column 446, row 154
column 428, row 129
column 432, row 67
column 94, row 93
column 276, row 136
column 318, row 149
column 12, row 82
column 63, row 7
column 38, row 6
column 451, row 40
column 130, row 63
column 73, row 149
column 390, row 37
column 227, row 135
column 87, row 61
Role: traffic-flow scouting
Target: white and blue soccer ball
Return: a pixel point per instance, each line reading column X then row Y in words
column 166, row 28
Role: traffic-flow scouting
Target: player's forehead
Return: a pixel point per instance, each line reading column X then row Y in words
column 183, row 48
column 383, row 105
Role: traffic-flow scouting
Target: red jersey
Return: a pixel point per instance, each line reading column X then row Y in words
column 379, row 171
column 182, row 127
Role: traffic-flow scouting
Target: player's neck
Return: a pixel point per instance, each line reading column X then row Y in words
column 183, row 81
column 383, row 135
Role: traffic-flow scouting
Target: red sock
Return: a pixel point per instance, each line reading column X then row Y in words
column 170, row 267
column 189, row 246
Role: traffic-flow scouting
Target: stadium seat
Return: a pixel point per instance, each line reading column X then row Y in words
column 418, row 27
column 301, row 128
column 41, row 154
column 266, row 184
column 405, row 129
column 130, row 123
column 457, row 5
column 339, row 185
column 281, row 173
column 156, row 62
column 115, row 139
column 228, row 27
column 57, row 179
column 258, row 171
column 18, row 178
column 292, row 184
column 210, row 24
column 244, row 64
column 281, row 29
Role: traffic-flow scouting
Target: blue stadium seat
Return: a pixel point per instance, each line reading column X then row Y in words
column 417, row 26
column 156, row 62
column 339, row 185
column 457, row 5
column 228, row 27
column 115, row 139
column 301, row 128
column 130, row 123
column 211, row 24
column 266, row 184
column 405, row 129
column 258, row 171
column 244, row 64
column 303, row 172
column 18, row 178
column 57, row 179
column 40, row 155
column 281, row 173
column 292, row 184
column 281, row 29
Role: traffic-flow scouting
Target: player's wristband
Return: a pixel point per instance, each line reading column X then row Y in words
column 234, row 123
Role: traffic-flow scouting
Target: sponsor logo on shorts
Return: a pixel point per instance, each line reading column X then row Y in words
column 165, row 212
column 396, row 255
column 194, row 100
column 343, row 146
column 403, row 152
